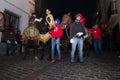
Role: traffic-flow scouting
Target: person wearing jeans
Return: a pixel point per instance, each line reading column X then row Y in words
column 55, row 41
column 11, row 45
column 77, row 32
column 56, row 34
column 79, row 42
column 97, row 47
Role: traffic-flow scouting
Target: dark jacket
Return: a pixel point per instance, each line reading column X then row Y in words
column 75, row 28
column 11, row 35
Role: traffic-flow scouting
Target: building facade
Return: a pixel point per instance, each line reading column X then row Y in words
column 109, row 13
column 17, row 12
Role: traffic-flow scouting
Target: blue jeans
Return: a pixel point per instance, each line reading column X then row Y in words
column 55, row 42
column 12, row 46
column 97, row 47
column 79, row 42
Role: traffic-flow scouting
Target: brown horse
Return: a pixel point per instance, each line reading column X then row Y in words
column 66, row 22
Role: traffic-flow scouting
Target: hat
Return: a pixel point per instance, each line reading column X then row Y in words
column 57, row 21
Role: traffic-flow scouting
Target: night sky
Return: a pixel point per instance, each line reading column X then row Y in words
column 60, row 7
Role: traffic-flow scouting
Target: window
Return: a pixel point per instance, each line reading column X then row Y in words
column 114, row 6
column 12, row 20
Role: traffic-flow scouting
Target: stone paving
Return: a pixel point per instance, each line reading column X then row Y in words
column 105, row 68
column 13, row 67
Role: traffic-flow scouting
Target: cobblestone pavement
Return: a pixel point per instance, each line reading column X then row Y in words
column 107, row 67
column 13, row 67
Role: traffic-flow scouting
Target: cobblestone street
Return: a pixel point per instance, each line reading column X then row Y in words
column 107, row 67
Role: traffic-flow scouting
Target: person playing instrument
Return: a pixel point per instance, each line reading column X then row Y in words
column 50, row 19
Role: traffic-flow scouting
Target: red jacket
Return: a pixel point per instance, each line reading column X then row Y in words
column 57, row 32
column 96, row 33
column 83, row 21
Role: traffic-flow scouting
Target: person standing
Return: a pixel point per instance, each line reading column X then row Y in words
column 50, row 19
column 12, row 44
column 97, row 42
column 77, row 32
column 56, row 34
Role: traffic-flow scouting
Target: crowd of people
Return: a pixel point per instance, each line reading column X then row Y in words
column 78, row 33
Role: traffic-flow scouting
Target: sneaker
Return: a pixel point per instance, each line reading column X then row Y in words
column 59, row 61
column 52, row 60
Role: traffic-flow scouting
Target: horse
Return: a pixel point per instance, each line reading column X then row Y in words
column 65, row 23
column 66, row 20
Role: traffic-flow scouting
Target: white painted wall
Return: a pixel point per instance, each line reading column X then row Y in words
column 19, row 7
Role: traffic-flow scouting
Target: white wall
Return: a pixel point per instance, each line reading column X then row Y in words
column 19, row 7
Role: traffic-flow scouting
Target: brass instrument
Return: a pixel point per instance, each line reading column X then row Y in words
column 44, row 37
column 50, row 19
column 31, row 32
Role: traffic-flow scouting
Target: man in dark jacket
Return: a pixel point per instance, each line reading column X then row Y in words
column 77, row 32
